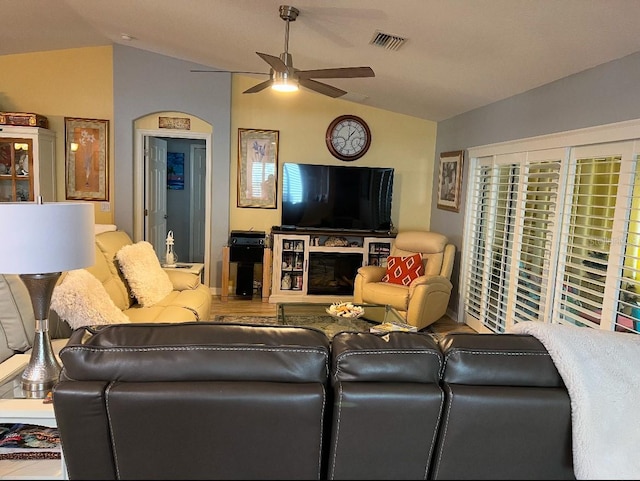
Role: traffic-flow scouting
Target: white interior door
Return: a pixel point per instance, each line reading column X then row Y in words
column 156, row 175
column 197, row 203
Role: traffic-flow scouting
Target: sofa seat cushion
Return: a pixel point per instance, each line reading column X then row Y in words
column 178, row 306
column 395, row 295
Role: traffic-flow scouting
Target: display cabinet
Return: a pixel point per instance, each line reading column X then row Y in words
column 321, row 265
column 27, row 164
column 377, row 250
column 290, row 264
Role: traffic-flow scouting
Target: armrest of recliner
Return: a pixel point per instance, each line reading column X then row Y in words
column 428, row 300
column 183, row 281
column 372, row 273
column 439, row 283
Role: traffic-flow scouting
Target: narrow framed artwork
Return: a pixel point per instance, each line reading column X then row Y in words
column 86, row 159
column 449, row 180
column 175, row 171
column 257, row 168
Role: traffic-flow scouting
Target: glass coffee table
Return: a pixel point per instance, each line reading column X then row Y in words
column 313, row 314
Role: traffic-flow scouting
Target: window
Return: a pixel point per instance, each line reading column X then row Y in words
column 553, row 235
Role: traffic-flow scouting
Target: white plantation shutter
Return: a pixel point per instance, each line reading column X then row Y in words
column 553, row 236
column 598, row 239
column 514, row 199
column 537, row 226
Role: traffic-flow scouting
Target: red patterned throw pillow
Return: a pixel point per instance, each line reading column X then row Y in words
column 403, row 270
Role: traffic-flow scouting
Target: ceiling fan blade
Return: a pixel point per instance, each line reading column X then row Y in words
column 321, row 88
column 346, row 72
column 257, row 88
column 227, row 71
column 276, row 64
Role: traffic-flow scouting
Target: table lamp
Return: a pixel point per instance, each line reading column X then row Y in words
column 39, row 241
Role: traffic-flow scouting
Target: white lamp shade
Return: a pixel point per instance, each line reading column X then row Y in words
column 44, row 238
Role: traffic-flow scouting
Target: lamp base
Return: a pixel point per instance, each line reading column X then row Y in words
column 43, row 369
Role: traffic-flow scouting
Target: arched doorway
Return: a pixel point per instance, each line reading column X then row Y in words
column 183, row 204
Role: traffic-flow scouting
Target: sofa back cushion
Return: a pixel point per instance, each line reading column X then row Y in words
column 17, row 322
column 507, row 410
column 246, row 402
column 106, row 267
column 387, row 405
column 430, row 245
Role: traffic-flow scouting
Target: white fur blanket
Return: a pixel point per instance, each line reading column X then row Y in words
column 601, row 370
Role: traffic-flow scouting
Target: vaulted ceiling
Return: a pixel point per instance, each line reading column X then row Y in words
column 458, row 55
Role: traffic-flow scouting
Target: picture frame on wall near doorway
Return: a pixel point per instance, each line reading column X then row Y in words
column 86, row 159
column 257, row 168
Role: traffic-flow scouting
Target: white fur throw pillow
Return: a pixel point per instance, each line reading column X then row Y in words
column 81, row 300
column 141, row 268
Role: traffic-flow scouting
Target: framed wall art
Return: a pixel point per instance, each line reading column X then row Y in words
column 257, row 168
column 175, row 171
column 86, row 159
column 449, row 180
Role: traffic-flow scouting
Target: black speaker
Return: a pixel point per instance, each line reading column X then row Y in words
column 244, row 281
column 246, row 246
column 240, row 253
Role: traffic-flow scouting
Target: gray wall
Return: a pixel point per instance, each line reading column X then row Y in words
column 604, row 94
column 145, row 83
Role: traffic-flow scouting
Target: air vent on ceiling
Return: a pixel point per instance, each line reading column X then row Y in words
column 388, row 41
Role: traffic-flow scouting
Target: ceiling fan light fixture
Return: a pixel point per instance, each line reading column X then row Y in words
column 283, row 83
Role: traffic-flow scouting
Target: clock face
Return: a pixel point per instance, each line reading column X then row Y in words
column 348, row 137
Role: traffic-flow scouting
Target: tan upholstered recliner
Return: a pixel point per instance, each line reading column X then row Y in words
column 425, row 300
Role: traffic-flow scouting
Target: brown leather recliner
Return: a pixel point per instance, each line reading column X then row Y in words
column 208, row 400
column 193, row 401
column 426, row 299
column 387, row 405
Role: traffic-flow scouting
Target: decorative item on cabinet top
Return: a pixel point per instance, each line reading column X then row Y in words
column 24, row 119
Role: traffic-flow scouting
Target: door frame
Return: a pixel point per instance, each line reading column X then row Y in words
column 192, row 180
column 139, row 178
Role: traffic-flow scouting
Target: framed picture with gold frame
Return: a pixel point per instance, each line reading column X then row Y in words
column 449, row 180
column 257, row 168
column 86, row 159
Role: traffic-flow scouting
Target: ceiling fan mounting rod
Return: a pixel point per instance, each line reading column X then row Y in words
column 284, row 77
column 288, row 14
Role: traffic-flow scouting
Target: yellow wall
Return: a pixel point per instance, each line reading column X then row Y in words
column 58, row 84
column 405, row 143
column 79, row 83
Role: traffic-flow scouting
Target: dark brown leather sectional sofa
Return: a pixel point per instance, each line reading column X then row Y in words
column 219, row 401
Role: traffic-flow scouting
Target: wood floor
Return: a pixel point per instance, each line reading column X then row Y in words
column 255, row 307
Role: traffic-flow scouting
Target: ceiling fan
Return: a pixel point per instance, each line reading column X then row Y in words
column 285, row 78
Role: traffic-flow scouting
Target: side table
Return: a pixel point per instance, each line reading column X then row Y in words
column 15, row 409
column 191, row 267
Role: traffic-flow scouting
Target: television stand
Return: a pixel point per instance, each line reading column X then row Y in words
column 319, row 265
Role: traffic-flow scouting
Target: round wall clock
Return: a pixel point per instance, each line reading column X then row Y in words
column 348, row 137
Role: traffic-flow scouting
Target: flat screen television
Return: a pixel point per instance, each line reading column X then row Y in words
column 336, row 197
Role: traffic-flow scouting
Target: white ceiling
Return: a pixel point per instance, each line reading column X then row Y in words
column 460, row 54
